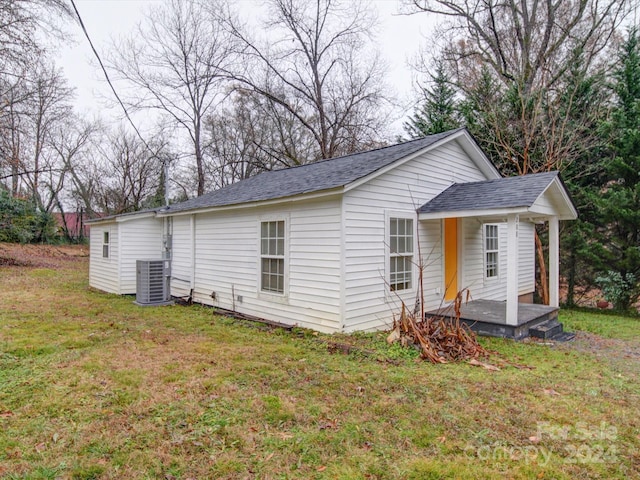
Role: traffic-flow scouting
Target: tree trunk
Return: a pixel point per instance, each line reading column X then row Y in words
column 571, row 277
column 544, row 279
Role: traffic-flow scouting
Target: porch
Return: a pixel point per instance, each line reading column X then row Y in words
column 507, row 257
column 489, row 318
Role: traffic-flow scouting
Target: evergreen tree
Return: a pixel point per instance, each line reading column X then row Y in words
column 620, row 197
column 438, row 111
column 582, row 109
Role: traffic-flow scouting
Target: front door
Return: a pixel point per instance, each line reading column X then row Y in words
column 450, row 258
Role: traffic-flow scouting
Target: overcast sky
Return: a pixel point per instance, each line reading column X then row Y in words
column 399, row 39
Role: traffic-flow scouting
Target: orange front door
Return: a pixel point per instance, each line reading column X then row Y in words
column 450, row 258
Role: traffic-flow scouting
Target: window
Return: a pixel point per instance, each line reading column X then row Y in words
column 105, row 244
column 272, row 256
column 491, row 251
column 400, row 253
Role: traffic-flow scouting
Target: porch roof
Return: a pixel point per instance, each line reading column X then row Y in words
column 540, row 195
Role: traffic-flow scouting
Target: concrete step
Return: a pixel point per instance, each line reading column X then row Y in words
column 563, row 337
column 546, row 330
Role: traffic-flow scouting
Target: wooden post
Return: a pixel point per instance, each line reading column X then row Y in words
column 554, row 262
column 512, row 269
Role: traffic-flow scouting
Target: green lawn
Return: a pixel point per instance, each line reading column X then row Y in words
column 92, row 386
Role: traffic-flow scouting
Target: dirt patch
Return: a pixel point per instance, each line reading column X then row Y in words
column 40, row 256
column 605, row 347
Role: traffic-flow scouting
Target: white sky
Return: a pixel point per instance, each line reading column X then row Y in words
column 399, row 40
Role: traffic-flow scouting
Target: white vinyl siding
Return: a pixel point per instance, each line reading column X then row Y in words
column 103, row 272
column 182, row 256
column 474, row 264
column 140, row 239
column 526, row 257
column 229, row 251
column 129, row 240
column 368, row 305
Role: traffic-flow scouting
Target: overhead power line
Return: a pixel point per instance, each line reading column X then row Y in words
column 106, row 75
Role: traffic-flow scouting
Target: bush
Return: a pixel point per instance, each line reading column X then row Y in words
column 619, row 290
column 22, row 222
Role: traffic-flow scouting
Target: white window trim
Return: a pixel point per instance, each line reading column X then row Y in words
column 265, row 294
column 108, row 244
column 485, row 251
column 393, row 295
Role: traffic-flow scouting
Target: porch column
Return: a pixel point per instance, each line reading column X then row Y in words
column 512, row 269
column 554, row 262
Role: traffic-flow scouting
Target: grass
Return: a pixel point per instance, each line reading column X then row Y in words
column 606, row 324
column 92, row 386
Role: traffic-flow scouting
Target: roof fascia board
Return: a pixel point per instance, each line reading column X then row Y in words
column 123, row 217
column 567, row 198
column 461, row 134
column 568, row 203
column 262, row 203
column 489, row 212
column 477, row 154
column 128, row 218
column 532, row 212
column 98, row 221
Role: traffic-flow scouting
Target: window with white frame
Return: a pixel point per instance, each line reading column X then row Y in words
column 491, row 250
column 272, row 256
column 105, row 244
column 400, row 253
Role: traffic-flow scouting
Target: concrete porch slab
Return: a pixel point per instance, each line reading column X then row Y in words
column 489, row 318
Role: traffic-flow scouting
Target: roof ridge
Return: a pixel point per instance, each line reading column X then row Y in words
column 554, row 172
column 324, row 160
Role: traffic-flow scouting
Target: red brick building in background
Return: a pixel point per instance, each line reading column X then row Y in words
column 73, row 225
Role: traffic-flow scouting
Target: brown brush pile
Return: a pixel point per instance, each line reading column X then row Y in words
column 441, row 339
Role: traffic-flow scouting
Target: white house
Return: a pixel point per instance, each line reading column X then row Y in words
column 335, row 245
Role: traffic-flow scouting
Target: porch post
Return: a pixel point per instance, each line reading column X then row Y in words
column 554, row 262
column 512, row 269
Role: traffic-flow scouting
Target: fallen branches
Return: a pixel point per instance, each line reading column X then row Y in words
column 441, row 339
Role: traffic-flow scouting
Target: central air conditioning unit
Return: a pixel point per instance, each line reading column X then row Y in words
column 152, row 282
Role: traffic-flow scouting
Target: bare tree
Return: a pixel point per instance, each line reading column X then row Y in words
column 74, row 144
column 129, row 173
column 526, row 49
column 23, row 25
column 527, row 42
column 524, row 68
column 319, row 72
column 175, row 64
column 254, row 135
column 49, row 105
column 19, row 22
column 35, row 105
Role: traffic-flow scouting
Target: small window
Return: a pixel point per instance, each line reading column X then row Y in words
column 400, row 254
column 272, row 256
column 105, row 245
column 491, row 250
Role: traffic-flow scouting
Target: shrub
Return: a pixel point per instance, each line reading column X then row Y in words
column 22, row 222
column 619, row 290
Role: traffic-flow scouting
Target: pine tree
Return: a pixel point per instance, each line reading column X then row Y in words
column 438, row 111
column 582, row 110
column 620, row 199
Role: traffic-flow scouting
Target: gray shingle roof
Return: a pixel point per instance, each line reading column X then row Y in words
column 510, row 192
column 314, row 177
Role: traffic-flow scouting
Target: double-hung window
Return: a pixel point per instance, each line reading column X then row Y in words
column 105, row 244
column 491, row 251
column 272, row 256
column 400, row 254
